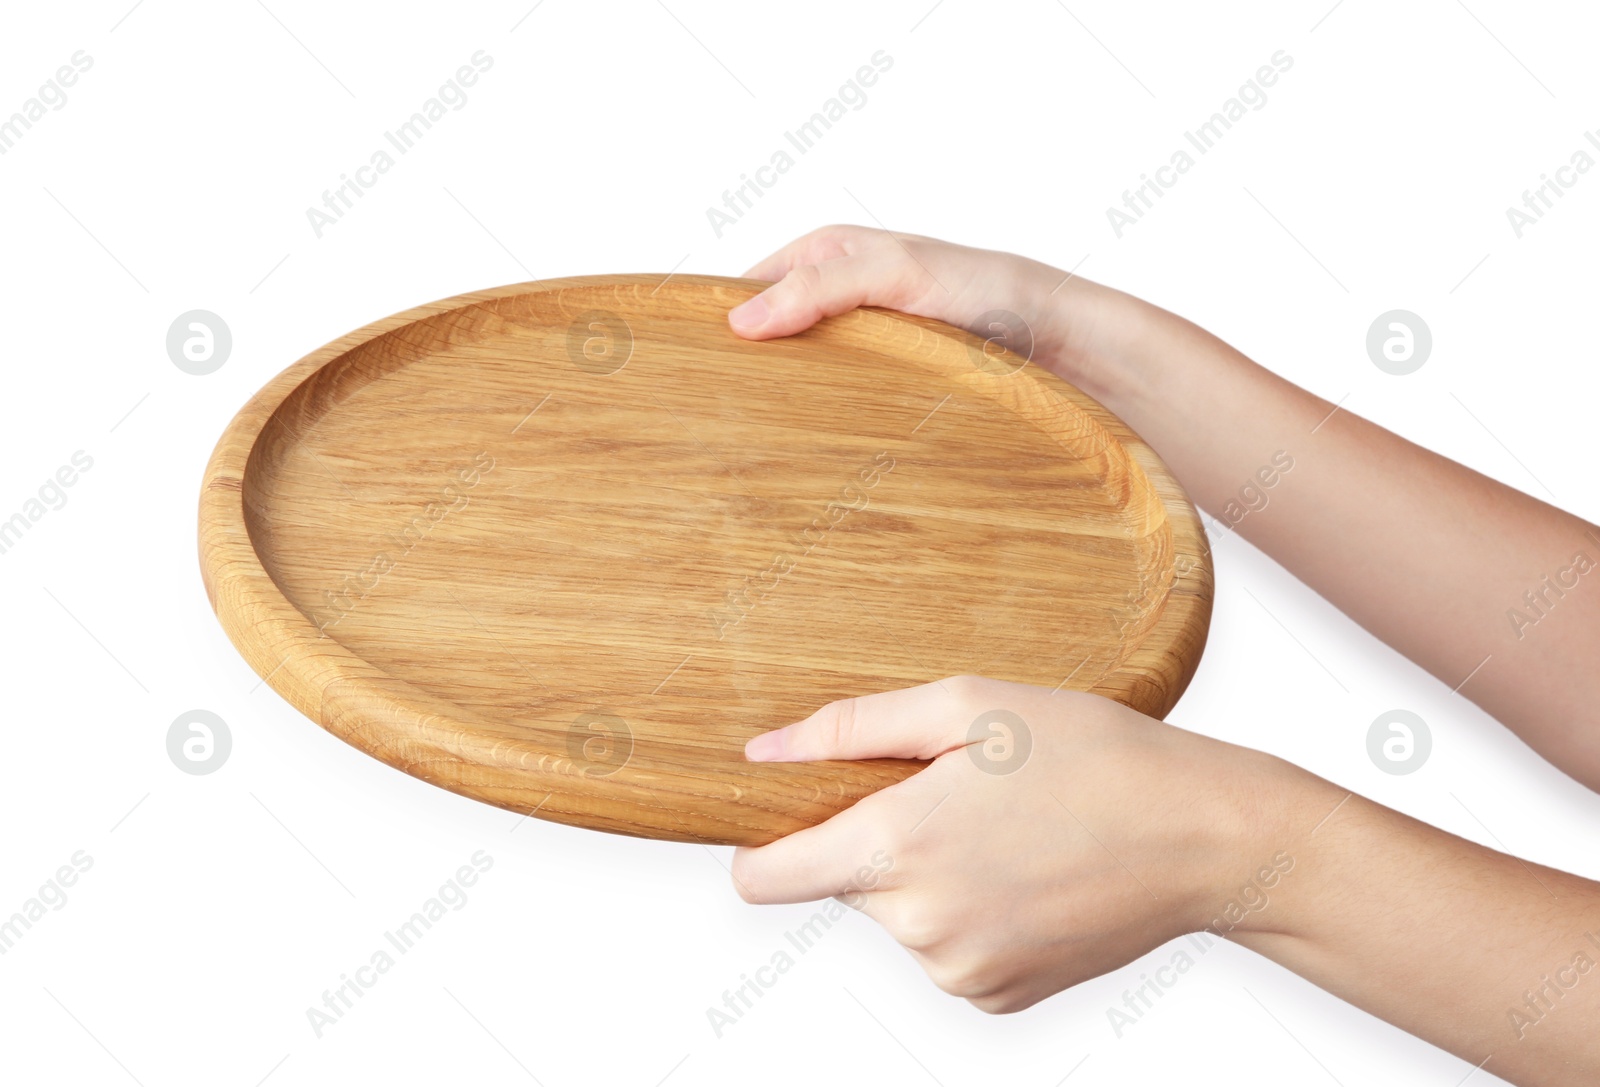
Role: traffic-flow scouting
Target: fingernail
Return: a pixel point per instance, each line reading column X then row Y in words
column 767, row 747
column 750, row 314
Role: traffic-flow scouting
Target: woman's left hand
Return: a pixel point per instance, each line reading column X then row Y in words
column 1054, row 836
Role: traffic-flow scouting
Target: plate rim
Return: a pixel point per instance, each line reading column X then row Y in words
column 440, row 742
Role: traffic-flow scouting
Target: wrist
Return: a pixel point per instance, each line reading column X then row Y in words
column 1259, row 822
column 1104, row 341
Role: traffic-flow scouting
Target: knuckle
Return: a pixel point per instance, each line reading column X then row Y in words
column 1003, row 1002
column 895, row 841
column 837, row 232
column 921, row 934
column 968, row 690
column 904, row 254
column 896, row 269
column 960, row 979
column 841, row 726
column 806, row 283
column 916, row 928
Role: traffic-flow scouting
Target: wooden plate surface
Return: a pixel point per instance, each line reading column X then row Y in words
column 565, row 546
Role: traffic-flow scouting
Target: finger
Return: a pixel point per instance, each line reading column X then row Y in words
column 810, row 292
column 840, row 857
column 805, row 295
column 824, row 243
column 914, row 723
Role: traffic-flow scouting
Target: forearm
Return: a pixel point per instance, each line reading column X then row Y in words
column 1462, row 574
column 1480, row 953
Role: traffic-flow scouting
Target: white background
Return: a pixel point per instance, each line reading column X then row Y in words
column 177, row 177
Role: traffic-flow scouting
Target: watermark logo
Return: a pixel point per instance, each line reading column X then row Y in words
column 452, row 498
column 51, row 96
column 51, row 496
column 1542, row 197
column 1138, row 200
column 1252, row 898
column 199, row 342
column 1539, row 601
column 1252, row 496
column 1398, row 742
column 738, row 1001
column 451, row 97
column 1552, row 989
column 600, row 342
column 1399, row 342
column 741, row 600
column 999, row 742
column 51, row 897
column 599, row 743
column 850, row 98
column 451, row 897
column 198, row 742
column 1001, row 331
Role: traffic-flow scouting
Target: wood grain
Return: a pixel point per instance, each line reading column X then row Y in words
column 565, row 546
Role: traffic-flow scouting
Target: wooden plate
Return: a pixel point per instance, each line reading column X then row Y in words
column 565, row 546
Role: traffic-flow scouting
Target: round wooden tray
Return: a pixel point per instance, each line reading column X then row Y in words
column 565, row 546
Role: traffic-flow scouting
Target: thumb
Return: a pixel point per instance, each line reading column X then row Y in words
column 810, row 292
column 915, row 723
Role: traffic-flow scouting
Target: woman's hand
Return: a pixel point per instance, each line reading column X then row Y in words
column 1013, row 877
column 1072, row 324
column 1439, row 561
column 1055, row 836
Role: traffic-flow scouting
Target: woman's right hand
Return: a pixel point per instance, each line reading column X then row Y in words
column 1074, row 326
